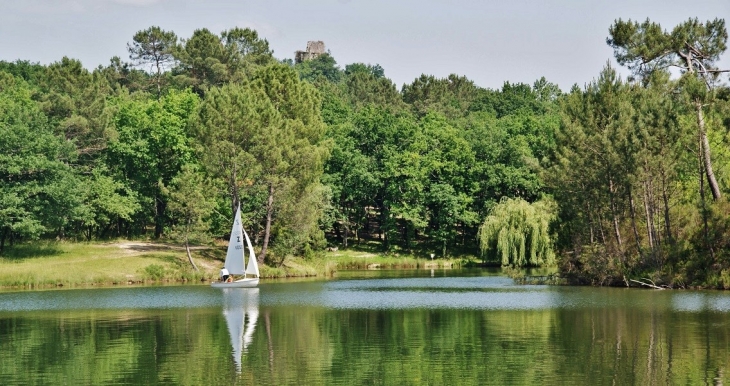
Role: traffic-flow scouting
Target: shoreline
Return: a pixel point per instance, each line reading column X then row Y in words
column 126, row 263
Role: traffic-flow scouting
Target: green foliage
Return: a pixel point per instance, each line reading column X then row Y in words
column 515, row 99
column 451, row 96
column 416, row 180
column 374, row 70
column 365, row 88
column 152, row 147
column 153, row 47
column 519, row 232
column 263, row 139
column 76, row 104
column 123, row 77
column 105, row 201
column 625, row 170
column 724, row 279
column 190, row 204
column 323, row 66
column 23, row 69
column 154, row 272
column 645, row 47
column 202, row 62
column 37, row 187
column 246, row 49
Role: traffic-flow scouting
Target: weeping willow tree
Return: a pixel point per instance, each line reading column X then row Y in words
column 519, row 232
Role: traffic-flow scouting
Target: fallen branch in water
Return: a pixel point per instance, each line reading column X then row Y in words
column 652, row 285
column 553, row 279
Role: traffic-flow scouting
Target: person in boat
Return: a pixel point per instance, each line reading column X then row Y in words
column 225, row 276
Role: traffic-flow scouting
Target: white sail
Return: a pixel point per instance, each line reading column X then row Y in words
column 234, row 257
column 253, row 266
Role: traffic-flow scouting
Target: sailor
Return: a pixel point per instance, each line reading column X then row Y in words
column 225, row 275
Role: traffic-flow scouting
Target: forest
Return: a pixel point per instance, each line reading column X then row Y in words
column 614, row 180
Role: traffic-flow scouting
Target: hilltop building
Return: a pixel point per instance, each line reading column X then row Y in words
column 314, row 49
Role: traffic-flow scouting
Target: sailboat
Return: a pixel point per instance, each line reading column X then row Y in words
column 241, row 310
column 236, row 259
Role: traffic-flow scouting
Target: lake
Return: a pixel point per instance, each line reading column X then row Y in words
column 466, row 327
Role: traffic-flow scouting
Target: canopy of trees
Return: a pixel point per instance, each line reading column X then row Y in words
column 621, row 178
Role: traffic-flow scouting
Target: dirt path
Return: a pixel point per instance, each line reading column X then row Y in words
column 133, row 248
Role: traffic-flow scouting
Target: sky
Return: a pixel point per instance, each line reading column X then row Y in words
column 488, row 41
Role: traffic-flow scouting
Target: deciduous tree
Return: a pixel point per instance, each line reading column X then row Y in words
column 37, row 185
column 519, row 232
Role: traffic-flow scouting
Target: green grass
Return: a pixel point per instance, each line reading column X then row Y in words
column 49, row 264
column 298, row 267
column 368, row 257
column 45, row 264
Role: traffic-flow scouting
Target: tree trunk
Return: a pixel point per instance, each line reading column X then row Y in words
column 267, row 230
column 590, row 223
column 235, row 201
column 633, row 222
column 706, row 229
column 190, row 257
column 614, row 214
column 160, row 206
column 705, row 153
column 600, row 228
column 337, row 227
column 159, row 79
column 665, row 201
column 187, row 249
column 346, row 232
column 3, row 236
column 652, row 207
column 647, row 212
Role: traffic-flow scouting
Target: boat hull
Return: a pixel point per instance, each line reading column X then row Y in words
column 243, row 283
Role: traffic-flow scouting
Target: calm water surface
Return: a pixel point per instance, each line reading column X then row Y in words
column 384, row 327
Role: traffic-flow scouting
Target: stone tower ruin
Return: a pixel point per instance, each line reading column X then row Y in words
column 314, row 49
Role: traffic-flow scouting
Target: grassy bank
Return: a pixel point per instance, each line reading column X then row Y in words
column 70, row 264
column 67, row 264
column 56, row 264
column 369, row 259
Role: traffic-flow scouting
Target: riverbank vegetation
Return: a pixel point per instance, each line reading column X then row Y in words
column 619, row 179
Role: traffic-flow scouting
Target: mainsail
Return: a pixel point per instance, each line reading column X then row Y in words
column 234, row 257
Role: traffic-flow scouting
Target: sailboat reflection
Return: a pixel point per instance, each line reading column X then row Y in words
column 241, row 310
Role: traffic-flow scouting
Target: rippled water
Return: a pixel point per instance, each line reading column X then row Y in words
column 385, row 327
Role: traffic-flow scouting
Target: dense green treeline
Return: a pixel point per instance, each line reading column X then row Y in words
column 620, row 179
column 641, row 165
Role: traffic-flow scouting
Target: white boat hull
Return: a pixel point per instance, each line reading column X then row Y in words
column 243, row 283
